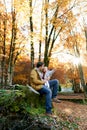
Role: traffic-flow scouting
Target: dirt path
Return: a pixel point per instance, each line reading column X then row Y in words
column 73, row 111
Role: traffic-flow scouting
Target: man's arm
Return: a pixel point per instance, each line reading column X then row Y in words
column 34, row 77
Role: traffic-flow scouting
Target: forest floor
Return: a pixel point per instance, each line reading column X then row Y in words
column 72, row 110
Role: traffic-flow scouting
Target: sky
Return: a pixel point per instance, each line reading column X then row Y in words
column 8, row 4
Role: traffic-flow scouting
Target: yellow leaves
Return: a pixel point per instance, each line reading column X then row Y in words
column 56, row 22
column 46, row 6
column 2, row 8
column 72, row 41
column 22, row 9
column 64, row 16
column 63, row 3
column 70, row 15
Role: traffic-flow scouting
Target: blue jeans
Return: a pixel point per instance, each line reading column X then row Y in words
column 54, row 84
column 50, row 93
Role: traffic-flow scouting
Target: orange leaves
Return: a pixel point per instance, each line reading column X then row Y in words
column 21, row 79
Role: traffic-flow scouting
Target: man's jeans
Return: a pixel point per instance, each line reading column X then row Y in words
column 50, row 93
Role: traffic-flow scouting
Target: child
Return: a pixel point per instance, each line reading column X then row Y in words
column 47, row 75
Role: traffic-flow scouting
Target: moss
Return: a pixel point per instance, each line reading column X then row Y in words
column 20, row 99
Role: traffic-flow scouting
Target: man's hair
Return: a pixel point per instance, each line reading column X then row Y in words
column 39, row 64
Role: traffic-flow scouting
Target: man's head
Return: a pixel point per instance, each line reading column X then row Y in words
column 40, row 65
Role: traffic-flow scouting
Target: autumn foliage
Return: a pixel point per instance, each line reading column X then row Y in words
column 57, row 38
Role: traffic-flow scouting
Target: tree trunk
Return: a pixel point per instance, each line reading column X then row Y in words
column 77, row 54
column 82, row 79
column 40, row 41
column 31, row 35
column 0, row 46
column 40, row 50
column 85, row 30
column 46, row 36
column 12, row 48
column 3, row 62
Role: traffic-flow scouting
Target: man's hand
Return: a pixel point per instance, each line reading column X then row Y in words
column 44, row 80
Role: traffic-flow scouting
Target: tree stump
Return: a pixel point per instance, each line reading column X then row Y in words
column 32, row 98
column 19, row 98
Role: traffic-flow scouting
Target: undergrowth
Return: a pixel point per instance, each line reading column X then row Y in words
column 18, row 112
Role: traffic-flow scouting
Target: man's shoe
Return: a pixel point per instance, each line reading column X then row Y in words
column 56, row 100
column 51, row 115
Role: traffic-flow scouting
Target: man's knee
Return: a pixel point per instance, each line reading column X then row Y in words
column 56, row 81
column 49, row 92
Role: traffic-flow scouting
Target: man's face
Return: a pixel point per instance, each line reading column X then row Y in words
column 41, row 68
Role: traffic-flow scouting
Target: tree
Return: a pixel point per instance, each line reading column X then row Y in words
column 31, row 34
column 55, row 25
column 11, row 45
column 85, row 30
column 74, row 42
column 3, row 42
column 41, row 28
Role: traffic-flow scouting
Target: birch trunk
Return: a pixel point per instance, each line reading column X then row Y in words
column 31, row 35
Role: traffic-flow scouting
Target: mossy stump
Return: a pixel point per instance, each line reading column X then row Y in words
column 32, row 98
column 20, row 98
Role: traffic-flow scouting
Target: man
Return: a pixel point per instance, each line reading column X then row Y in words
column 38, row 84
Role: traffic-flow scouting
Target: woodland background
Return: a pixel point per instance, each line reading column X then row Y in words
column 53, row 31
